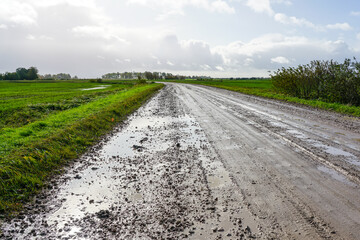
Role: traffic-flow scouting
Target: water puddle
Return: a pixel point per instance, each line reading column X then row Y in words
column 278, row 124
column 335, row 175
column 127, row 171
column 95, row 88
column 296, row 133
column 99, row 185
column 350, row 158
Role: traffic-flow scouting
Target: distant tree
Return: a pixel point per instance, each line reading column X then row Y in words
column 149, row 76
column 22, row 73
column 1, row 76
column 11, row 76
column 32, row 73
column 62, row 76
column 48, row 77
column 156, row 75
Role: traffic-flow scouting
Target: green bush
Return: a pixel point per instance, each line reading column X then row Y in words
column 328, row 81
column 141, row 81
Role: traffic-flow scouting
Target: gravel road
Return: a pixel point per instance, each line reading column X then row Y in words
column 202, row 163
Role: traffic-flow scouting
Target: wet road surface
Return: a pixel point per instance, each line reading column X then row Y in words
column 203, row 163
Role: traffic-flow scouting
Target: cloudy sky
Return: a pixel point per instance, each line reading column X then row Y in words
column 220, row 38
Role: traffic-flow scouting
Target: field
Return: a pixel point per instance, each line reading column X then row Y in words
column 45, row 124
column 265, row 88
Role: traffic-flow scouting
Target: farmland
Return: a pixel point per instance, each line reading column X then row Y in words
column 45, row 124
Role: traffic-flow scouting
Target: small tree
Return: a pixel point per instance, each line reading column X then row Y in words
column 32, row 73
column 22, row 73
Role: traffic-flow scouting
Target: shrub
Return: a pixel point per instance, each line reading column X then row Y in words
column 329, row 81
column 141, row 81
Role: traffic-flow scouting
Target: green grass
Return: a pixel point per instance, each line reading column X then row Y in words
column 264, row 88
column 25, row 102
column 32, row 151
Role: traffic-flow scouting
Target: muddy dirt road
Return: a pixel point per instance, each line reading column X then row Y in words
column 203, row 163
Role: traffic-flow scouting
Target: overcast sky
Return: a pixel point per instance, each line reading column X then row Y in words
column 220, row 38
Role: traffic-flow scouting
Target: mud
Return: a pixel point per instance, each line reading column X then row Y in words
column 204, row 163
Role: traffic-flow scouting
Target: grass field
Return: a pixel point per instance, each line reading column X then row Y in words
column 264, row 88
column 46, row 124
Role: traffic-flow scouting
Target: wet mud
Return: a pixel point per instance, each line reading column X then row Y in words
column 157, row 177
column 204, row 163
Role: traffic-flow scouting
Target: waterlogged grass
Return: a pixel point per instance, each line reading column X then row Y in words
column 264, row 88
column 32, row 152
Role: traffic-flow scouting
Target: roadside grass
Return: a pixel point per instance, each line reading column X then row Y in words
column 264, row 88
column 31, row 153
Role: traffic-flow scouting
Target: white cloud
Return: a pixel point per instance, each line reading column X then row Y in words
column 339, row 26
column 17, row 12
column 284, row 19
column 107, row 33
column 281, row 60
column 30, row 37
column 353, row 13
column 169, row 63
column 286, row 2
column 260, row 6
column 165, row 15
column 41, row 37
column 205, row 67
column 50, row 3
column 221, row 7
column 248, row 61
column 260, row 54
column 220, row 68
column 85, row 33
column 171, row 7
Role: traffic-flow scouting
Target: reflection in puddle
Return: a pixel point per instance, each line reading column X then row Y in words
column 99, row 186
column 96, row 88
column 296, row 133
column 335, row 175
column 350, row 158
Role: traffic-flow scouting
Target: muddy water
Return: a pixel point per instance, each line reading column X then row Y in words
column 156, row 177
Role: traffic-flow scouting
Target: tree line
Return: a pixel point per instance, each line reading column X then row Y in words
column 328, row 81
column 58, row 76
column 21, row 74
column 149, row 76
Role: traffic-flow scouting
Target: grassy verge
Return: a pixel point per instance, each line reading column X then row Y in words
column 264, row 88
column 32, row 153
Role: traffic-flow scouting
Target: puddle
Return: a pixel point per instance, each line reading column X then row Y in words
column 335, row 175
column 95, row 88
column 132, row 175
column 350, row 158
column 296, row 133
column 278, row 124
column 99, row 186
